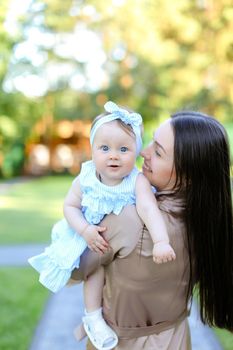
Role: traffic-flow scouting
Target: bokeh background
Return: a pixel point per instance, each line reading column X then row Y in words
column 60, row 61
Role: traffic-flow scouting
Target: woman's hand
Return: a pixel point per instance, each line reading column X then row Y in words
column 95, row 241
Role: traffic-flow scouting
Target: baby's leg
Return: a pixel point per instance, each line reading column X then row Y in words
column 99, row 333
column 93, row 288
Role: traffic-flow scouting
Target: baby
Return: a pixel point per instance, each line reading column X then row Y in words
column 106, row 184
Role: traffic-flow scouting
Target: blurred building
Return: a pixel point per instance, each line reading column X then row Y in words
column 60, row 148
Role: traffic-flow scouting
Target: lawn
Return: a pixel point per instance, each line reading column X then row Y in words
column 28, row 210
column 225, row 338
column 22, row 301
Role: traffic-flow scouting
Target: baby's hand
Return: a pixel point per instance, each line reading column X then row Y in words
column 94, row 240
column 163, row 252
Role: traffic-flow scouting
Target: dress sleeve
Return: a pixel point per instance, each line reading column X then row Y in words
column 122, row 232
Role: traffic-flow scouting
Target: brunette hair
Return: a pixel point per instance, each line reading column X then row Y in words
column 202, row 164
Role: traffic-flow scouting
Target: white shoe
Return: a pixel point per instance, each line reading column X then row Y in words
column 99, row 333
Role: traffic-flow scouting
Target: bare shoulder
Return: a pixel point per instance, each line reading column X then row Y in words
column 142, row 188
column 76, row 187
column 74, row 195
column 142, row 180
column 76, row 182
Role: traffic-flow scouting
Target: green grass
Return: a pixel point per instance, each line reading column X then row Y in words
column 28, row 210
column 22, row 301
column 27, row 213
column 225, row 338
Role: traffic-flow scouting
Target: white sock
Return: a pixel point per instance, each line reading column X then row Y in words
column 94, row 314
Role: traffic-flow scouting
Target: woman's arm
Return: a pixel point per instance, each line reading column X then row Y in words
column 75, row 218
column 150, row 214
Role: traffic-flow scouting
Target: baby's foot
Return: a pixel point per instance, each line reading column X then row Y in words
column 99, row 333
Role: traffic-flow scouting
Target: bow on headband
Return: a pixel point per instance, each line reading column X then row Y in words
column 133, row 119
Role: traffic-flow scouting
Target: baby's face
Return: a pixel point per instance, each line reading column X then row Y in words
column 113, row 152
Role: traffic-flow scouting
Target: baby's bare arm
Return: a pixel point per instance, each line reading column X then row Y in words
column 72, row 208
column 74, row 216
column 149, row 212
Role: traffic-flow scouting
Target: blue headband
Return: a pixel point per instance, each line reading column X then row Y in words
column 133, row 119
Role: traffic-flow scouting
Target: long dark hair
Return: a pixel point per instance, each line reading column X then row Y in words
column 202, row 163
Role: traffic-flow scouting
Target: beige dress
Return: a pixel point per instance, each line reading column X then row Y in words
column 145, row 303
column 177, row 338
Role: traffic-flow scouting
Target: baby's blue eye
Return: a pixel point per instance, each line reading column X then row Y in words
column 124, row 149
column 104, row 148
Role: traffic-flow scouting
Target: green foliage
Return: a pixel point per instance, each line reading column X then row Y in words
column 8, row 127
column 13, row 161
column 6, row 41
column 158, row 56
column 21, row 302
column 229, row 129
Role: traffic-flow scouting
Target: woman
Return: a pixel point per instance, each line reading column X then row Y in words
column 147, row 304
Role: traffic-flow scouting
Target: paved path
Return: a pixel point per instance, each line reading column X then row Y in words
column 62, row 314
column 64, row 311
column 17, row 255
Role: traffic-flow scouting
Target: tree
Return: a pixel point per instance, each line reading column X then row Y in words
column 154, row 56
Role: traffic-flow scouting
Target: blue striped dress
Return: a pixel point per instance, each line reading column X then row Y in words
column 58, row 260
